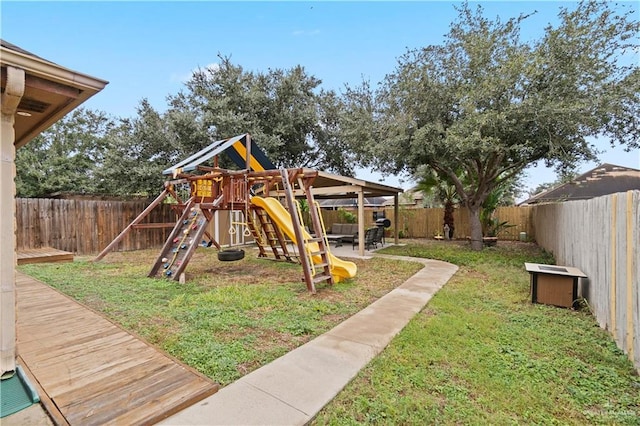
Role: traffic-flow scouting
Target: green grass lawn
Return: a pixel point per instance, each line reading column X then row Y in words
column 230, row 317
column 479, row 353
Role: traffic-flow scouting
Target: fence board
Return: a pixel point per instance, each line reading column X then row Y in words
column 426, row 223
column 85, row 226
column 600, row 237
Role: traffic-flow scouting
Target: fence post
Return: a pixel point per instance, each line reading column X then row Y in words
column 614, row 227
column 629, row 228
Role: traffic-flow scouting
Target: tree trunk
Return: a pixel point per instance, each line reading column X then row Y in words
column 476, row 227
column 448, row 220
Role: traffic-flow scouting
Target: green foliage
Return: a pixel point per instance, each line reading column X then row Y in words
column 65, row 157
column 284, row 110
column 406, row 218
column 490, row 103
column 88, row 152
column 138, row 150
column 493, row 227
column 442, row 189
column 304, row 206
column 346, row 216
column 481, row 353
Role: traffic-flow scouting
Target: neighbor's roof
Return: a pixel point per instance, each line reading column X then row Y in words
column 50, row 92
column 603, row 180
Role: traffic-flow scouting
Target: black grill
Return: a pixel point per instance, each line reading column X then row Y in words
column 384, row 222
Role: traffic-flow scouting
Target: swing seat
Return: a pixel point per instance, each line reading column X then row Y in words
column 230, row 255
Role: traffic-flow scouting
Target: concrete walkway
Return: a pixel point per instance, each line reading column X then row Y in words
column 292, row 389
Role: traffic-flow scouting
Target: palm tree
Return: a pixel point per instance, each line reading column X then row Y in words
column 441, row 190
column 503, row 194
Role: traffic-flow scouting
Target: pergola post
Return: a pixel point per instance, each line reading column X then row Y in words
column 360, row 221
column 10, row 99
column 396, row 211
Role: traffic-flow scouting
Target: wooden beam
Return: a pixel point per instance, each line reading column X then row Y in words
column 51, row 86
column 50, row 407
column 334, row 190
column 248, row 148
column 137, row 220
column 153, row 225
column 297, row 229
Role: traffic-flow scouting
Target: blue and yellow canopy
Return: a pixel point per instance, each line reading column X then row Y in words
column 235, row 148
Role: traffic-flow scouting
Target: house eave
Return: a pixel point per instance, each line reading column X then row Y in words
column 69, row 89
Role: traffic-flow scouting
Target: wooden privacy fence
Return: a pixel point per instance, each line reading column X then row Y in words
column 86, row 226
column 601, row 237
column 426, row 223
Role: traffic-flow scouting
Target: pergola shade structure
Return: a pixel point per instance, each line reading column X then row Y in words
column 330, row 186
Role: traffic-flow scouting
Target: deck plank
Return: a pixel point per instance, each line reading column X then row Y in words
column 93, row 371
column 43, row 255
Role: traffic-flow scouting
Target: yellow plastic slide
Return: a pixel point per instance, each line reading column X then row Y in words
column 339, row 268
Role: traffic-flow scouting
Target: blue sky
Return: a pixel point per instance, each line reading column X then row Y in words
column 148, row 49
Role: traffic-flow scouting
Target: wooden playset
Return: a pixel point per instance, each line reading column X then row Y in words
column 255, row 190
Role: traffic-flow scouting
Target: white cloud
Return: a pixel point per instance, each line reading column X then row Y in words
column 183, row 77
column 305, row 33
column 179, row 77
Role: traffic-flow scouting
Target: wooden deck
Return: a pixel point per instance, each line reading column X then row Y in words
column 91, row 370
column 42, row 255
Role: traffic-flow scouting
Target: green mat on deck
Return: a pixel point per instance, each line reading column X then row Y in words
column 16, row 394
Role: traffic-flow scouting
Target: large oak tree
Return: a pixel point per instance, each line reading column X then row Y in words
column 284, row 110
column 64, row 158
column 490, row 103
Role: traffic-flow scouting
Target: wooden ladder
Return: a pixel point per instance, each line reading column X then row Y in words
column 321, row 238
column 182, row 243
column 255, row 231
column 273, row 234
column 311, row 276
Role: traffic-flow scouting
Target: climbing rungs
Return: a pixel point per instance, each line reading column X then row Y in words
column 320, row 278
column 279, row 251
column 321, row 265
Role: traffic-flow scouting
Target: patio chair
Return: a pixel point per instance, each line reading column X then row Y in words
column 379, row 236
column 369, row 239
